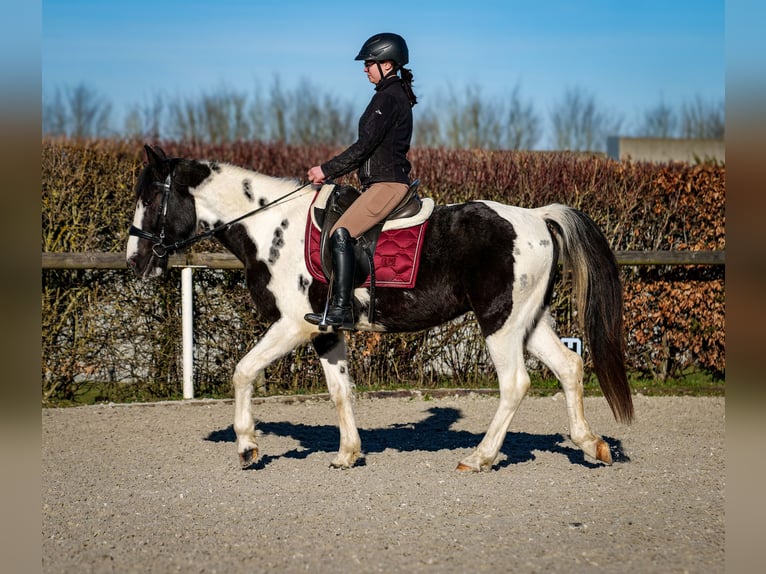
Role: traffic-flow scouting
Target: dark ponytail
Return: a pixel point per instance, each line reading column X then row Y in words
column 407, row 83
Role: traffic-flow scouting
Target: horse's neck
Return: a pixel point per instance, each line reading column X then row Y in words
column 233, row 191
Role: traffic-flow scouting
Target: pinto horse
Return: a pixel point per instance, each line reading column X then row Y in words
column 498, row 261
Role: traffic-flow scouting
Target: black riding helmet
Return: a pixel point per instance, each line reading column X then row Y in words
column 385, row 46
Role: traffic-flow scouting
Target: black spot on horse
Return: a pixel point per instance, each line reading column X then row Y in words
column 248, row 189
column 262, row 201
column 257, row 272
column 279, row 238
column 285, row 224
column 277, row 242
column 326, row 342
column 303, row 283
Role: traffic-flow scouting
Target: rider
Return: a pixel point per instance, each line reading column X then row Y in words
column 380, row 156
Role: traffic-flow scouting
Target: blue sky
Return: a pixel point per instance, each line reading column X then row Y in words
column 628, row 55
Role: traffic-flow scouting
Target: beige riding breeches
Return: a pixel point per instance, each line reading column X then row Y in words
column 372, row 207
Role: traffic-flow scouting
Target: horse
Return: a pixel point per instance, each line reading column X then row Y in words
column 497, row 261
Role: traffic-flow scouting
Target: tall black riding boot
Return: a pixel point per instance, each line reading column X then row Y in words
column 340, row 315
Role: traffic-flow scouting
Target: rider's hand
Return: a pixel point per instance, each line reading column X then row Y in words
column 316, row 175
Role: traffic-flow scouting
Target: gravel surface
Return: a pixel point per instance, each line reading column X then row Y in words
column 158, row 488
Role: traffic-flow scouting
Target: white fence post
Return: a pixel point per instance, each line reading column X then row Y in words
column 187, row 329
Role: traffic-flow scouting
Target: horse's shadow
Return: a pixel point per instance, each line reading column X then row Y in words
column 429, row 435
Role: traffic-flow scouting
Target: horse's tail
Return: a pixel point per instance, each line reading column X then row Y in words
column 598, row 295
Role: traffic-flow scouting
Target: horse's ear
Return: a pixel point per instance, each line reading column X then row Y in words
column 154, row 155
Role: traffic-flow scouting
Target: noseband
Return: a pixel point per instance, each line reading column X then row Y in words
column 160, row 249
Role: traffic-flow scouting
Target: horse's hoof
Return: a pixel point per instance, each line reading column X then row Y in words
column 336, row 464
column 246, row 458
column 603, row 453
column 346, row 463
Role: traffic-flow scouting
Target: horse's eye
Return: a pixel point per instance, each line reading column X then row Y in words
column 148, row 199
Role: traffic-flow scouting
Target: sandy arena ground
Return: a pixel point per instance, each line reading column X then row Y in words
column 158, row 488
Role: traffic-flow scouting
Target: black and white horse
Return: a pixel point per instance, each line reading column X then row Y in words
column 495, row 260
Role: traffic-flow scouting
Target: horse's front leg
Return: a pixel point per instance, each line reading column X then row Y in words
column 331, row 348
column 280, row 339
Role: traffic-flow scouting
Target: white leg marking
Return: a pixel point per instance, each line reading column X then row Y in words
column 340, row 386
column 281, row 338
column 507, row 352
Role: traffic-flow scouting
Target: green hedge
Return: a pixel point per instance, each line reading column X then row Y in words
column 106, row 326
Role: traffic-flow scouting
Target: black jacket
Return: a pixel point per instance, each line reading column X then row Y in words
column 385, row 131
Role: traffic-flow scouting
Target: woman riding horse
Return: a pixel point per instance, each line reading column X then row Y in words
column 380, row 156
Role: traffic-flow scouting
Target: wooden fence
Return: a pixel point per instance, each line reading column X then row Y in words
column 97, row 260
column 187, row 262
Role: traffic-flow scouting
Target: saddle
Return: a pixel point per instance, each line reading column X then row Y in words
column 402, row 232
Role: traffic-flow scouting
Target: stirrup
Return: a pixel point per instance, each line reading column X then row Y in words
column 343, row 320
column 320, row 319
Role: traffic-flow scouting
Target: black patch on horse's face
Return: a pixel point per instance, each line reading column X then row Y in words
column 180, row 219
column 248, row 189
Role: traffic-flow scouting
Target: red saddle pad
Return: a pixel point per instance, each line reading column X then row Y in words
column 396, row 258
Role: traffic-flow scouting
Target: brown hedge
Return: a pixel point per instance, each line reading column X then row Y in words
column 674, row 315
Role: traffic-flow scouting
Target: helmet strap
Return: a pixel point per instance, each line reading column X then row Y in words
column 383, row 76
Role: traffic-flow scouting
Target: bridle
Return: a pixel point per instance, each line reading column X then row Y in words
column 160, row 249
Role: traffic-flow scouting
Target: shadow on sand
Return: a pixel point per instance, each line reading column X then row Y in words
column 429, row 435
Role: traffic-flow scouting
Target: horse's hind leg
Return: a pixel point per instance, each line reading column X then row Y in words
column 331, row 348
column 507, row 351
column 567, row 366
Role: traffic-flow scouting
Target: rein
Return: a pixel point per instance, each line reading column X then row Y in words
column 161, row 249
